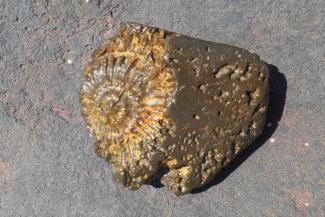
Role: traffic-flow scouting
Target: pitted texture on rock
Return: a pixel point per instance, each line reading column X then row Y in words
column 158, row 101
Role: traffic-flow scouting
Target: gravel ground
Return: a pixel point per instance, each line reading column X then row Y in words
column 47, row 163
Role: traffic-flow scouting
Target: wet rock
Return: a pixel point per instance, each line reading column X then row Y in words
column 159, row 101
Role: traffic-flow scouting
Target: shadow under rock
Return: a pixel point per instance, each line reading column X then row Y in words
column 278, row 89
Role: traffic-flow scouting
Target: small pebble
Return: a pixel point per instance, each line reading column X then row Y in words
column 69, row 61
column 306, row 204
column 272, row 140
column 197, row 117
column 306, row 144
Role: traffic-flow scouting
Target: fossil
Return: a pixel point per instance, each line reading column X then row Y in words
column 161, row 104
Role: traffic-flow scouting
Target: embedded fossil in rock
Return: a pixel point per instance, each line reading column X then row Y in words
column 156, row 100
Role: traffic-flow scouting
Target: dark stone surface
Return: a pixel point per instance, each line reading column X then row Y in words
column 156, row 100
column 47, row 163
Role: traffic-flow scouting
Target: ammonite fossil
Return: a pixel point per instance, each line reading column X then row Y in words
column 164, row 105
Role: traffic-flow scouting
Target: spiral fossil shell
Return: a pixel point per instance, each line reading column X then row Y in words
column 158, row 101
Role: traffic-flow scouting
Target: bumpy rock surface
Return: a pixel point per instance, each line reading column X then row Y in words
column 164, row 105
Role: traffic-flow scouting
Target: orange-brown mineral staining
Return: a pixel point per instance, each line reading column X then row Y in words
column 155, row 100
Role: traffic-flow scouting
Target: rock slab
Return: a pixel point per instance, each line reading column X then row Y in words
column 168, row 106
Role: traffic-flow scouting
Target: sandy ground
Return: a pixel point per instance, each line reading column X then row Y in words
column 47, row 163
